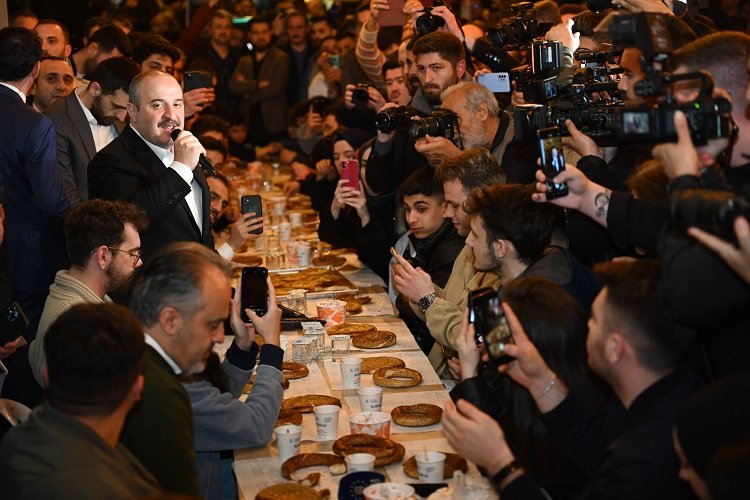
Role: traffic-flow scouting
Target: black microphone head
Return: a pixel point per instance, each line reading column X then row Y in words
column 175, row 133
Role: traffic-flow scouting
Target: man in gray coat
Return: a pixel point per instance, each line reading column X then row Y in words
column 89, row 119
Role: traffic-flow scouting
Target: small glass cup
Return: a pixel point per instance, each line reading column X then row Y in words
column 317, row 348
column 297, row 300
column 339, row 346
column 275, row 259
column 302, row 350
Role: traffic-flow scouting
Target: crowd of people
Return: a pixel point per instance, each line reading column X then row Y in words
column 624, row 370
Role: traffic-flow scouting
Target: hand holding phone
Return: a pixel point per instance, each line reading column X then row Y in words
column 553, row 162
column 350, row 172
column 252, row 203
column 13, row 322
column 254, row 289
column 490, row 325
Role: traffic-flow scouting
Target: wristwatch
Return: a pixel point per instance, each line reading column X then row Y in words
column 425, row 302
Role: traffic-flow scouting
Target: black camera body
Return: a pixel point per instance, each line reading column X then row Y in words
column 519, row 30
column 538, row 80
column 442, row 123
column 392, row 120
column 712, row 211
column 427, row 22
column 360, row 94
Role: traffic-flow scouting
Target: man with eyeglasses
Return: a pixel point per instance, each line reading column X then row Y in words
column 104, row 249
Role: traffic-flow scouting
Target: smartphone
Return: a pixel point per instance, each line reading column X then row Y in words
column 334, row 60
column 254, row 291
column 495, row 82
column 196, row 80
column 393, row 15
column 490, row 323
column 252, row 203
column 475, row 299
column 350, row 171
column 553, row 162
column 13, row 322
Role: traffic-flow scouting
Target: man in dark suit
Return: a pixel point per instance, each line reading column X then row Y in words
column 144, row 166
column 35, row 203
column 89, row 119
column 261, row 79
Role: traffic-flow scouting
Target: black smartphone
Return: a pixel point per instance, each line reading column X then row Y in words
column 474, row 300
column 290, row 313
column 490, row 323
column 553, row 162
column 252, row 203
column 196, row 80
column 254, row 291
column 13, row 322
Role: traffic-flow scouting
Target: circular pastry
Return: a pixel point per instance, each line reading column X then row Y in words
column 287, row 417
column 248, row 260
column 288, row 491
column 378, row 339
column 369, row 365
column 294, row 370
column 305, row 404
column 351, row 329
column 396, row 377
column 329, row 260
column 384, row 450
column 453, row 463
column 302, row 460
column 418, row 415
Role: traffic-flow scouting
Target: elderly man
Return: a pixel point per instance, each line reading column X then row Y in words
column 145, row 166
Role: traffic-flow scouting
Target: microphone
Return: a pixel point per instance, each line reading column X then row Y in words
column 202, row 160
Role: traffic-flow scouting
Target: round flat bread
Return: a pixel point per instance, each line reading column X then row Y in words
column 305, row 404
column 287, row 417
column 385, row 451
column 378, row 339
column 396, row 377
column 248, row 260
column 453, row 463
column 303, row 460
column 329, row 260
column 369, row 365
column 351, row 329
column 288, row 491
column 294, row 370
column 419, row 415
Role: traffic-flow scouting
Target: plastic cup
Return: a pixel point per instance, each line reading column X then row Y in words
column 288, row 438
column 388, row 491
column 360, row 462
column 370, row 398
column 295, row 219
column 351, row 372
column 430, row 466
column 327, row 422
column 332, row 311
column 374, row 423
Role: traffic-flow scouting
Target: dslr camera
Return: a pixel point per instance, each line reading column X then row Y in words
column 442, row 123
column 520, row 28
column 392, row 120
column 712, row 211
column 360, row 95
column 428, row 22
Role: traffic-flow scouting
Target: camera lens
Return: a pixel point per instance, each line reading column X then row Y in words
column 427, row 23
column 424, row 127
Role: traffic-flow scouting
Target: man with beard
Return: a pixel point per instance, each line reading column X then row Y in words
column 89, row 119
column 145, row 166
column 104, row 249
column 241, row 229
column 106, row 42
column 55, row 38
column 261, row 79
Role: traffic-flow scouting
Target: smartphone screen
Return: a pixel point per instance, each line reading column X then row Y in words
column 350, row 171
column 553, row 162
column 252, row 204
column 476, row 303
column 254, row 291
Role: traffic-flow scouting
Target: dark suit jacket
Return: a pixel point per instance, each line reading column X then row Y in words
column 275, row 69
column 127, row 169
column 159, row 429
column 75, row 146
column 35, row 203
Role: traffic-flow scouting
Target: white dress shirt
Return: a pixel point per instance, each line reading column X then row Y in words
column 102, row 134
column 16, row 90
column 153, row 343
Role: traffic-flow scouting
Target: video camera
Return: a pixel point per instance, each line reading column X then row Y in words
column 520, row 29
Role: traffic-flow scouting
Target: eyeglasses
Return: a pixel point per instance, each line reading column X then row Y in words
column 135, row 256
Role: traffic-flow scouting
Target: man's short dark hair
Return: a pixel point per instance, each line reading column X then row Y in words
column 209, row 123
column 421, row 181
column 296, row 13
column 472, row 168
column 390, row 63
column 259, row 20
column 94, row 223
column 20, row 50
column 445, row 44
column 637, row 306
column 508, row 213
column 213, row 144
column 93, row 22
column 94, row 353
column 55, row 22
column 20, row 13
column 173, row 277
column 114, row 73
column 110, row 37
column 223, row 178
column 586, row 21
column 322, row 19
column 155, row 44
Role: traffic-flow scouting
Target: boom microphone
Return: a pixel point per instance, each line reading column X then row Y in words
column 202, row 160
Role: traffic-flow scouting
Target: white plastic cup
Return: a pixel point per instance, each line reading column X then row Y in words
column 288, row 438
column 431, row 466
column 295, row 219
column 327, row 422
column 370, row 398
column 360, row 462
column 351, row 372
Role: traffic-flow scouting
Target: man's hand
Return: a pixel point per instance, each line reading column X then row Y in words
column 187, row 149
column 451, row 25
column 678, row 158
column 563, row 33
column 291, row 188
column 10, row 347
column 476, row 436
column 454, row 367
column 197, row 99
column 268, row 326
column 241, row 231
column 737, row 257
column 410, row 282
column 468, row 353
column 314, row 122
column 580, row 142
column 324, row 168
column 301, row 171
column 436, row 149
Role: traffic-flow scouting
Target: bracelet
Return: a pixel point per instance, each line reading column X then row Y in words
column 549, row 387
column 503, row 473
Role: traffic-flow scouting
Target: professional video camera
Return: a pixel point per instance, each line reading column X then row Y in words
column 538, row 80
column 712, row 211
column 394, row 119
column 428, row 22
column 520, row 29
column 442, row 123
